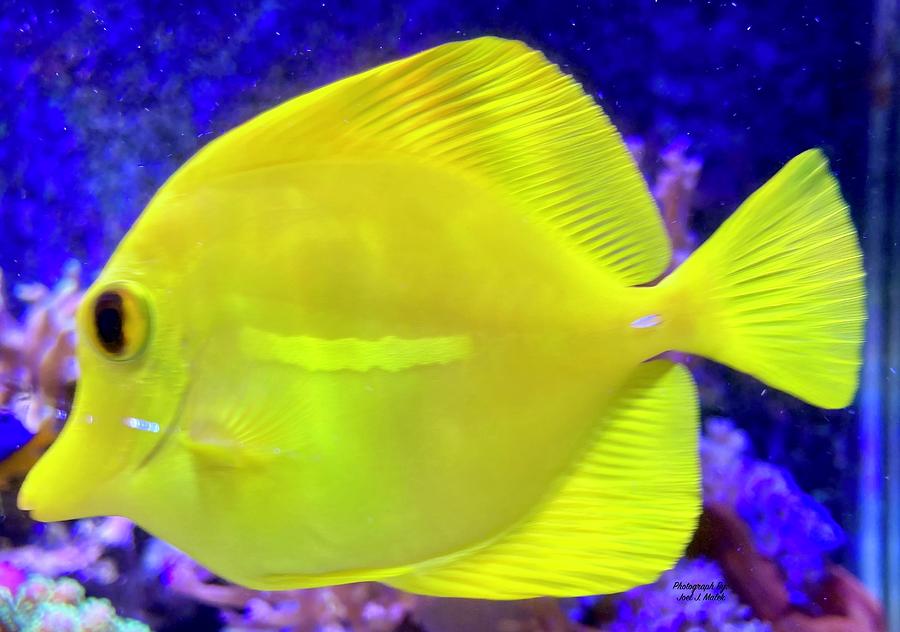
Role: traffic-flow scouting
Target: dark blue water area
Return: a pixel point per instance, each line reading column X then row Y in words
column 13, row 435
column 101, row 101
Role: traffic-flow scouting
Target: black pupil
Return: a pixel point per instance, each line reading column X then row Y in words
column 108, row 318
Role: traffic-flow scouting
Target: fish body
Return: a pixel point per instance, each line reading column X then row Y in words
column 398, row 329
column 425, row 435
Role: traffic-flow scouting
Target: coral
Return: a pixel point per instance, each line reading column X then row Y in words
column 37, row 368
column 83, row 548
column 673, row 176
column 674, row 190
column 44, row 605
column 788, row 526
column 11, row 576
column 669, row 605
column 42, row 364
column 350, row 608
column 838, row 601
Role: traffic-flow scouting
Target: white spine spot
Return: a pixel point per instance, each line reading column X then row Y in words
column 141, row 424
column 645, row 322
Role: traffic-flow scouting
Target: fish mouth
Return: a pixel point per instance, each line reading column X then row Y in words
column 47, row 502
column 57, row 488
column 25, row 500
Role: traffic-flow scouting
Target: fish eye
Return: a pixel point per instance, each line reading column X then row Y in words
column 120, row 323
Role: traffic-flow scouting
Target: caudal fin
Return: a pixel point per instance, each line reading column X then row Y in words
column 778, row 291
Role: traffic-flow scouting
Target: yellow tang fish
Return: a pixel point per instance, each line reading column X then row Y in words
column 401, row 328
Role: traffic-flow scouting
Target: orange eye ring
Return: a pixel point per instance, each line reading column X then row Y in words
column 120, row 322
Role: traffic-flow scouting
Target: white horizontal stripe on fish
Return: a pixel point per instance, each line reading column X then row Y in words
column 389, row 353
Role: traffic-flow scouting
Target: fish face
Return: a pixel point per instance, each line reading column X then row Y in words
column 132, row 378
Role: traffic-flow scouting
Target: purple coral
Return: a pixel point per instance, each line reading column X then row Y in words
column 788, row 525
column 84, row 550
column 691, row 597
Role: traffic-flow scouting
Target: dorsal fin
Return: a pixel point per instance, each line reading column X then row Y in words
column 490, row 109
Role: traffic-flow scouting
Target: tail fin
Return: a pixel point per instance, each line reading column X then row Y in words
column 778, row 291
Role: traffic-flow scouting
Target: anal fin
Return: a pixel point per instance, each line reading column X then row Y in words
column 622, row 516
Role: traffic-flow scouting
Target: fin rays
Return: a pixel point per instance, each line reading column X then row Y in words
column 622, row 516
column 492, row 110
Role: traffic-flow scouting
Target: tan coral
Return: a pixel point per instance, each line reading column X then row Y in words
column 674, row 189
column 38, row 370
column 846, row 605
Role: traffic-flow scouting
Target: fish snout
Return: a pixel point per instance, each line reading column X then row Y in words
column 47, row 498
column 69, row 481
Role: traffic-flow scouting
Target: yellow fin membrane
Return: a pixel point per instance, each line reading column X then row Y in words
column 623, row 515
column 778, row 291
column 489, row 109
